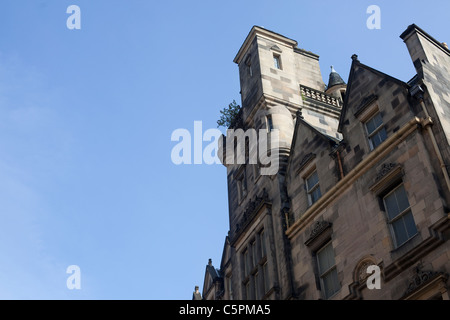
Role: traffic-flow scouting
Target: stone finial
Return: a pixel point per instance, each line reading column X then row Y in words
column 355, row 57
column 445, row 45
column 209, row 262
column 299, row 114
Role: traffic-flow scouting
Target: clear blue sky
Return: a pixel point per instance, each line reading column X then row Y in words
column 86, row 118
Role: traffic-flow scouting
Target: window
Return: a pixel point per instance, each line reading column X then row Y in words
column 246, row 262
column 343, row 95
column 376, row 131
column 256, row 287
column 327, row 271
column 277, row 61
column 229, row 287
column 269, row 123
column 255, row 267
column 248, row 62
column 242, row 185
column 256, row 172
column 262, row 240
column 313, row 188
column 254, row 255
column 247, row 291
column 400, row 217
column 265, row 275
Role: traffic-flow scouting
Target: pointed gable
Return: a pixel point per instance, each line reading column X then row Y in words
column 212, row 277
column 373, row 100
column 365, row 85
column 306, row 144
column 226, row 254
column 308, row 139
column 310, row 153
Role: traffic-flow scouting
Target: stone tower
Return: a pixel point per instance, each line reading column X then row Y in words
column 279, row 82
column 336, row 85
column 278, row 78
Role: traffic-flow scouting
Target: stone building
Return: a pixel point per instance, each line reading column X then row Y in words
column 363, row 178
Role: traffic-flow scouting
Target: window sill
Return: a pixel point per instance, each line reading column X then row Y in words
column 263, row 260
column 254, row 270
column 405, row 244
column 333, row 295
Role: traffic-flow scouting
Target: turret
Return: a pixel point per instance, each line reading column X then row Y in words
column 336, row 85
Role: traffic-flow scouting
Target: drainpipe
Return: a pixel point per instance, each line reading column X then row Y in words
column 417, row 92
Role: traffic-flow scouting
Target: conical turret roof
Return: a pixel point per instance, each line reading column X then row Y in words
column 335, row 79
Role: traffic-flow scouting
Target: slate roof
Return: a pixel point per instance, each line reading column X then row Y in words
column 335, row 79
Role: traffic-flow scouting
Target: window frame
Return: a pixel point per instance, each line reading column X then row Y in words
column 229, row 286
column 265, row 275
column 245, row 258
column 256, row 285
column 323, row 274
column 269, row 123
column 256, row 172
column 376, row 131
column 242, row 185
column 262, row 243
column 400, row 215
column 254, row 258
column 277, row 62
column 247, row 291
column 309, row 190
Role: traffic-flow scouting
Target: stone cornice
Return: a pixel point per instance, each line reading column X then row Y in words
column 251, row 211
column 264, row 33
column 414, row 29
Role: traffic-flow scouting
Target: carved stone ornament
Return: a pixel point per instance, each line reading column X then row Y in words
column 419, row 279
column 306, row 159
column 360, row 274
column 319, row 231
column 362, row 271
column 385, row 169
column 318, row 227
column 251, row 210
column 389, row 172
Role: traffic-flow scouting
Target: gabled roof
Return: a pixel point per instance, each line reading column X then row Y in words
column 226, row 254
column 301, row 122
column 213, row 272
column 357, row 64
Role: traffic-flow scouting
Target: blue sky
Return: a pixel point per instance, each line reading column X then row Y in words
column 86, row 118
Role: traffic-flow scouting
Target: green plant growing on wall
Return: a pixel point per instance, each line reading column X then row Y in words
column 229, row 115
